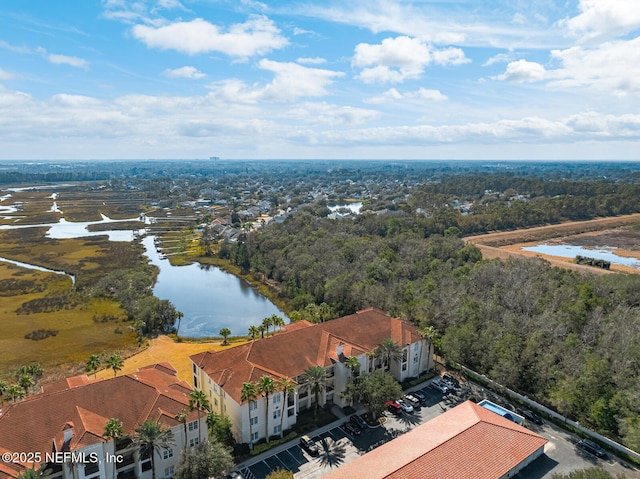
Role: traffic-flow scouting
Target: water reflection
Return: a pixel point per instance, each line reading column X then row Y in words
column 209, row 298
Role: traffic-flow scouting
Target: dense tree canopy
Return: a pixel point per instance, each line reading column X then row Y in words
column 569, row 340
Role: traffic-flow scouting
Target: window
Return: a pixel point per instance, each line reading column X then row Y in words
column 254, row 421
column 215, row 401
column 404, row 366
column 276, row 398
column 253, row 405
column 405, row 353
column 169, row 472
column 92, row 468
column 277, row 413
column 194, row 441
column 193, row 425
column 277, row 429
column 415, row 359
column 254, row 436
column 167, row 453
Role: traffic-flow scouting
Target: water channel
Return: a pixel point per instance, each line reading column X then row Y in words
column 209, row 298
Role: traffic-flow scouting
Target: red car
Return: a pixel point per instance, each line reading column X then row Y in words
column 394, row 407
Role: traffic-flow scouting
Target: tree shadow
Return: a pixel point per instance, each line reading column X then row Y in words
column 409, row 420
column 332, row 453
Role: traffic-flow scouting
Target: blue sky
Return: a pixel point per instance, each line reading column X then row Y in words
column 522, row 79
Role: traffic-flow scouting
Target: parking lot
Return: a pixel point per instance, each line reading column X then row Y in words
column 338, row 447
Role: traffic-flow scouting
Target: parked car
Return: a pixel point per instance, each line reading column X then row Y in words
column 592, row 448
column 352, row 429
column 359, row 421
column 310, row 445
column 421, row 397
column 394, row 407
column 406, row 407
column 234, row 475
column 439, row 385
column 413, row 400
column 451, row 381
column 532, row 417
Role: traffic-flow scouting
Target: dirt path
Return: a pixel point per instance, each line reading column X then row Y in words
column 163, row 349
column 509, row 243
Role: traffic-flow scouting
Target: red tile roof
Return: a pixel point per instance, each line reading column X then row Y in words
column 36, row 423
column 291, row 352
column 466, row 442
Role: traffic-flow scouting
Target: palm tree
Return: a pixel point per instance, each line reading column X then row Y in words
column 262, row 329
column 25, row 383
column 14, row 392
column 249, row 393
column 3, row 390
column 41, row 473
column 287, row 386
column 179, row 316
column 152, row 437
column 114, row 362
column 113, row 431
column 225, row 333
column 198, row 401
column 182, row 417
column 266, row 322
column 352, row 364
column 266, row 386
column 389, row 351
column 93, row 363
column 371, row 355
column 254, row 331
column 315, row 379
column 277, row 321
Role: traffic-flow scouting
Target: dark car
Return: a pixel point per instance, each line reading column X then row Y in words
column 421, row 397
column 394, row 407
column 359, row 421
column 352, row 429
column 310, row 445
column 532, row 417
column 451, row 381
column 592, row 448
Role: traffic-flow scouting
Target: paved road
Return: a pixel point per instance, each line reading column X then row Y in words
column 338, row 447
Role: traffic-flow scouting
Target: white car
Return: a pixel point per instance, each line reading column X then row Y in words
column 439, row 385
column 406, row 407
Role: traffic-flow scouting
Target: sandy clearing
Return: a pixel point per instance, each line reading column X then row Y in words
column 509, row 243
column 162, row 349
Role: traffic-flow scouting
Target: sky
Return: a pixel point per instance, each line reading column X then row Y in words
column 369, row 79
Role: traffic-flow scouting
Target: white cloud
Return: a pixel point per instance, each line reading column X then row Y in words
column 393, row 95
column 67, row 60
column 401, row 58
column 519, row 19
column 603, row 18
column 257, row 36
column 330, row 115
column 499, row 58
column 184, row 72
column 523, row 71
column 291, row 81
column 311, row 61
column 5, row 75
column 611, row 67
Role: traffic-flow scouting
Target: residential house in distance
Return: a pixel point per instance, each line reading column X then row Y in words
column 301, row 345
column 467, row 442
column 70, row 417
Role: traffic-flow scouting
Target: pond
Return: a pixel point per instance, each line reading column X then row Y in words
column 209, row 298
column 571, row 251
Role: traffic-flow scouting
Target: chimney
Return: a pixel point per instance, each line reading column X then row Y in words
column 339, row 349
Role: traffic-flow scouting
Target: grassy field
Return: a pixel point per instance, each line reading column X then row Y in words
column 78, row 335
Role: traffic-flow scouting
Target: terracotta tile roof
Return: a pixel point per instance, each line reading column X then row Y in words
column 294, row 350
column 38, row 422
column 466, row 442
